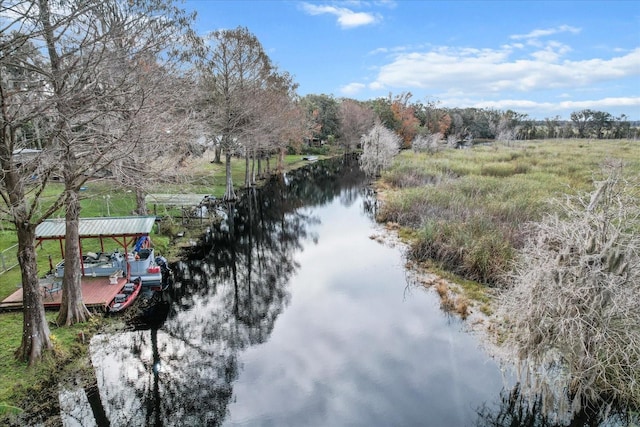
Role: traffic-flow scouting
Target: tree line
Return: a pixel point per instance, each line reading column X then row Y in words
column 412, row 119
column 129, row 91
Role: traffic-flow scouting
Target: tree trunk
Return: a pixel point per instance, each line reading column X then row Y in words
column 95, row 402
column 217, row 154
column 141, row 206
column 253, row 169
column 72, row 308
column 280, row 167
column 35, row 329
column 228, row 193
column 247, row 172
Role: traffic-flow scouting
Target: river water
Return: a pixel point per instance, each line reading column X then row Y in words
column 291, row 314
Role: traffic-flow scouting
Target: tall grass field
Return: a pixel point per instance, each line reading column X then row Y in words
column 464, row 210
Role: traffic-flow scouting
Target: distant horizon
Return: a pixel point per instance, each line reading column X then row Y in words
column 540, row 58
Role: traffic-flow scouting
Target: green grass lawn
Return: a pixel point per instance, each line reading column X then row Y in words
column 17, row 379
column 100, row 198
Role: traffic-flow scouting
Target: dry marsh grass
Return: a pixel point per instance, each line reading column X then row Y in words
column 467, row 208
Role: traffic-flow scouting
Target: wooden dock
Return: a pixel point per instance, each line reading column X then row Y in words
column 97, row 292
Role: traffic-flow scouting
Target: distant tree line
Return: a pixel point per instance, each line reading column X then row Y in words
column 421, row 119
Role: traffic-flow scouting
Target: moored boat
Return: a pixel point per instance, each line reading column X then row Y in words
column 127, row 295
column 142, row 263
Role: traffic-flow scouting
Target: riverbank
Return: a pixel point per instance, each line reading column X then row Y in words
column 470, row 213
column 461, row 213
column 477, row 314
column 470, row 301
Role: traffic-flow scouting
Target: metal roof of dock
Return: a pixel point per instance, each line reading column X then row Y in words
column 98, row 227
column 176, row 199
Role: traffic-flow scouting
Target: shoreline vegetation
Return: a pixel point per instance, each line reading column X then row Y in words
column 470, row 216
column 461, row 213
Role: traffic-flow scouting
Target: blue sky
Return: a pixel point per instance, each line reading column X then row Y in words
column 540, row 58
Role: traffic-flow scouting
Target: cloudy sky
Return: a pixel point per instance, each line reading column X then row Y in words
column 535, row 57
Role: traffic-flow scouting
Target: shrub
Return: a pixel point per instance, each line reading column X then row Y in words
column 571, row 312
column 430, row 143
column 317, row 151
column 410, row 177
column 499, row 187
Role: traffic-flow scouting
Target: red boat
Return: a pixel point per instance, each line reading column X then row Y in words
column 126, row 296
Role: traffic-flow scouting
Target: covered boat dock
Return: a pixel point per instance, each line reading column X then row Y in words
column 97, row 292
column 125, row 231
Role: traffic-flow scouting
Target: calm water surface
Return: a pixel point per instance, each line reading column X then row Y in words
column 291, row 315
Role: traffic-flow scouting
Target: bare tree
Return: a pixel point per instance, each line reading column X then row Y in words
column 572, row 313
column 67, row 86
column 356, row 118
column 64, row 97
column 379, row 147
column 505, row 130
column 279, row 123
column 97, row 52
column 235, row 72
column 22, row 101
column 162, row 132
column 283, row 119
column 430, row 143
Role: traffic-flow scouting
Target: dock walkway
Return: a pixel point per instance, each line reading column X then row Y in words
column 97, row 292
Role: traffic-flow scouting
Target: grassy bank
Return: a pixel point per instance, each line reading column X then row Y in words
column 24, row 386
column 464, row 209
column 21, row 384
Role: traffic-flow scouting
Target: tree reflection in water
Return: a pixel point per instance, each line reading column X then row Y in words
column 179, row 364
column 518, row 409
column 228, row 292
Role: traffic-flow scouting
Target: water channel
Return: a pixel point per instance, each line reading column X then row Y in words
column 290, row 314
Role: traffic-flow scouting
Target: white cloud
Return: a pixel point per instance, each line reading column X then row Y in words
column 551, row 52
column 602, row 103
column 544, row 109
column 352, row 88
column 347, row 18
column 489, row 71
column 397, row 49
column 535, row 34
column 391, row 4
column 380, row 50
column 538, row 80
